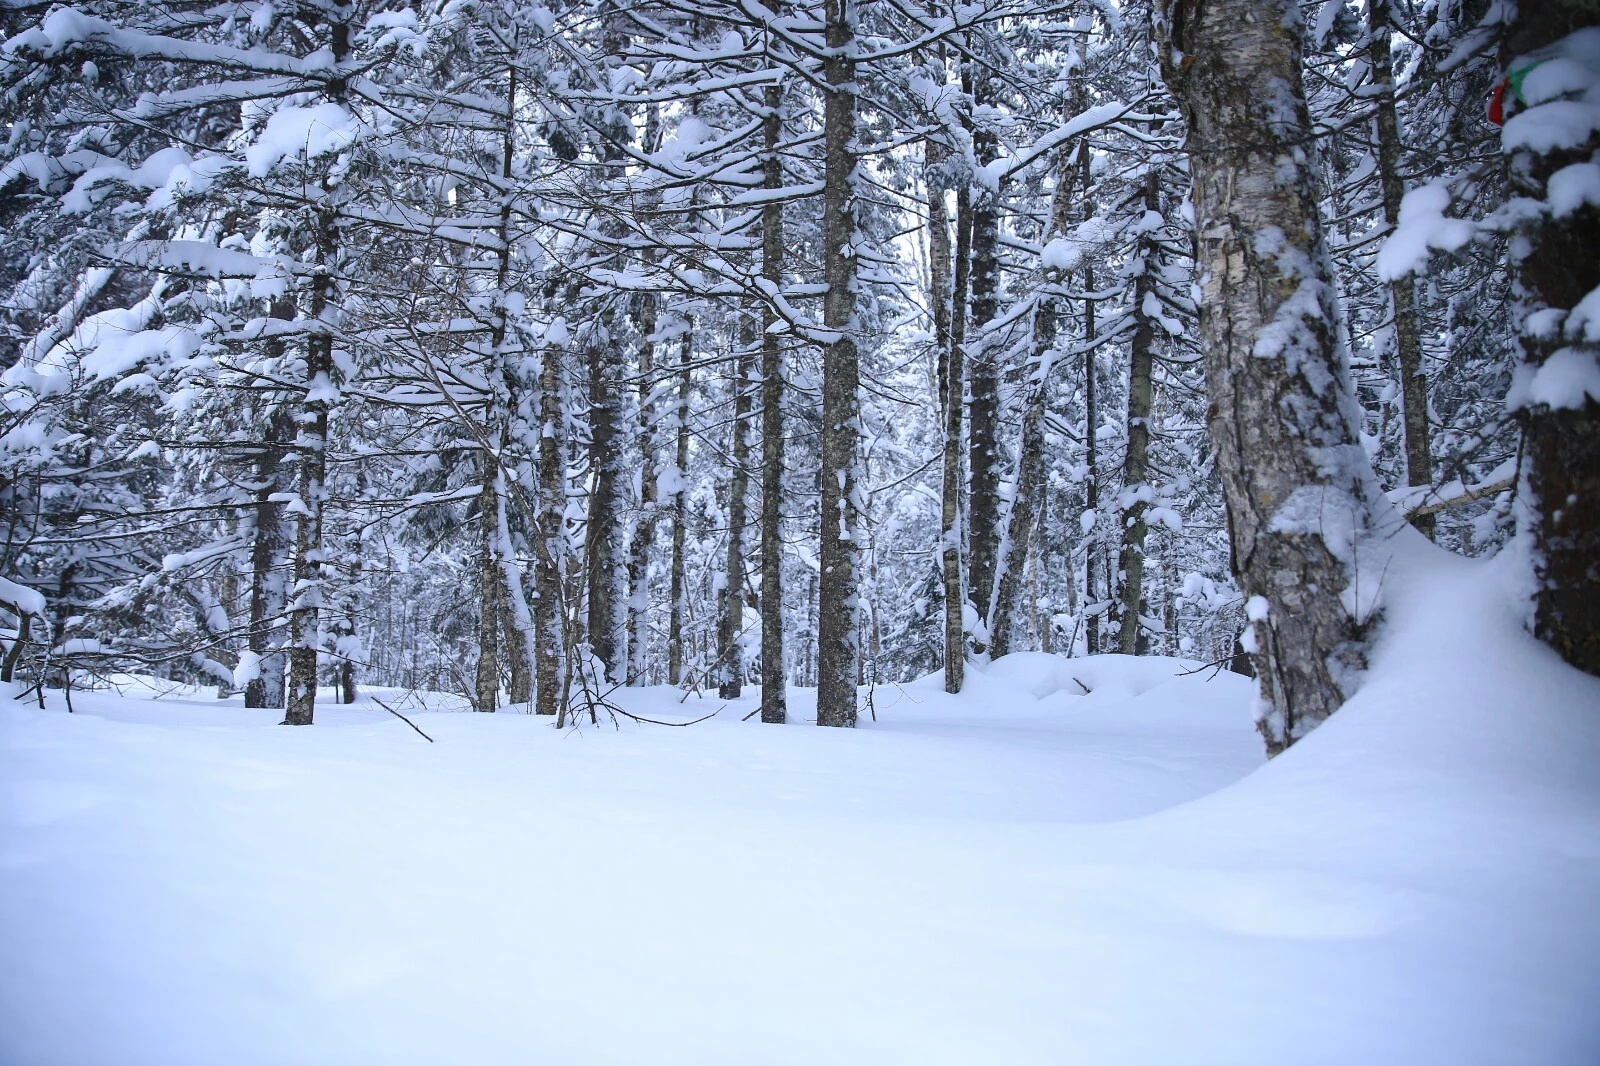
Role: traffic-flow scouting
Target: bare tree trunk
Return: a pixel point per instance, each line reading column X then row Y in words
column 269, row 558
column 1129, row 586
column 731, row 607
column 1091, row 484
column 1300, row 494
column 312, row 439
column 1402, row 291
column 837, row 606
column 486, row 687
column 1556, row 269
column 549, row 539
column 644, row 531
column 952, row 385
column 678, row 593
column 983, row 434
column 1026, row 503
column 604, row 527
column 311, row 442
column 774, row 698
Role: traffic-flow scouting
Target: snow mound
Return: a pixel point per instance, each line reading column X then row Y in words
column 1019, row 874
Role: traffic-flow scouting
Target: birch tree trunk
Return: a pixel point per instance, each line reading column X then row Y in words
column 1402, row 291
column 1299, row 492
column 774, row 697
column 838, row 600
column 1557, row 269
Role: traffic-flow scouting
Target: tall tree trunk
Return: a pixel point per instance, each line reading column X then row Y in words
column 604, row 528
column 1136, row 495
column 1300, row 494
column 774, row 698
column 731, row 607
column 486, row 686
column 983, row 434
column 644, row 531
column 513, row 617
column 549, row 540
column 1402, row 291
column 269, row 559
column 1091, row 484
column 952, row 386
column 1556, row 267
column 311, row 441
column 958, row 577
column 678, row 590
column 837, row 606
column 1026, row 498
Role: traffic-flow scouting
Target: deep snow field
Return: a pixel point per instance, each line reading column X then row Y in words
column 1020, row 875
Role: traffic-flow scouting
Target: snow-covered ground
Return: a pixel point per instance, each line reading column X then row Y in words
column 1024, row 874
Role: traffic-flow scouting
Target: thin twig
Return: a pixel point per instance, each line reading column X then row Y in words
column 402, row 717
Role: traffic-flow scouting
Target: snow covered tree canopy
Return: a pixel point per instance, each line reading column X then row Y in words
column 527, row 351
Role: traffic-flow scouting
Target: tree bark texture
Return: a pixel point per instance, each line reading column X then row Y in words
column 983, row 433
column 269, row 561
column 1135, row 463
column 644, row 530
column 1402, row 292
column 1556, row 269
column 952, row 387
column 549, row 539
column 1091, row 483
column 731, row 601
column 1027, row 496
column 1299, row 492
column 603, row 539
column 838, row 595
column 486, row 682
column 677, row 591
column 774, row 697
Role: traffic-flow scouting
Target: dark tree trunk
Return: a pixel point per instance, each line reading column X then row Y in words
column 644, row 531
column 604, row 527
column 952, row 380
column 837, row 636
column 1402, row 292
column 731, row 607
column 774, row 698
column 269, row 559
column 983, row 434
column 486, row 684
column 311, row 441
column 1091, row 484
column 1026, row 502
column 677, row 591
column 549, row 541
column 1129, row 590
column 1557, row 268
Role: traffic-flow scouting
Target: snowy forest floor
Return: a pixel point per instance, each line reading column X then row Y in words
column 1019, row 875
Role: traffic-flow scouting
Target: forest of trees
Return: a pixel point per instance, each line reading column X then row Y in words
column 527, row 351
